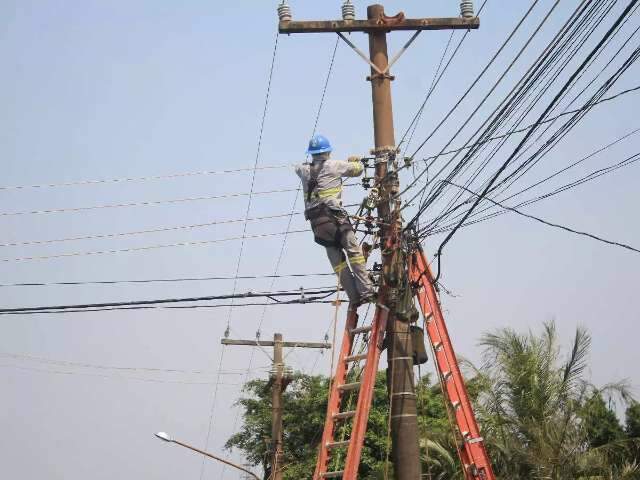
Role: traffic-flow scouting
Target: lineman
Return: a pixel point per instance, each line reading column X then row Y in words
column 322, row 186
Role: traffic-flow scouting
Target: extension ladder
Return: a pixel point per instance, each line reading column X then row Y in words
column 375, row 334
column 472, row 451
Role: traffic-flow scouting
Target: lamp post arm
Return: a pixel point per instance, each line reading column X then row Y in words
column 207, row 454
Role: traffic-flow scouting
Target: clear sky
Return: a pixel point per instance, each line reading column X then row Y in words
column 97, row 90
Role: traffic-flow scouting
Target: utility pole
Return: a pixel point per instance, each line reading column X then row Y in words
column 404, row 426
column 278, row 381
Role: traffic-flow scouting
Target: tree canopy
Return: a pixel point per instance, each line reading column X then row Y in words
column 539, row 416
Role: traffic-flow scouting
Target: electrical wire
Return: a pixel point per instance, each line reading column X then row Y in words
column 530, row 132
column 577, row 23
column 50, row 361
column 554, row 225
column 591, row 176
column 162, row 280
column 146, row 203
column 531, row 77
column 434, row 83
column 143, row 178
column 468, row 119
column 149, row 247
column 306, row 301
column 486, row 68
column 286, row 236
column 101, row 375
column 284, row 293
column 242, row 244
column 538, row 183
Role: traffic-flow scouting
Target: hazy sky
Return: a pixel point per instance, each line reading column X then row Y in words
column 98, row 90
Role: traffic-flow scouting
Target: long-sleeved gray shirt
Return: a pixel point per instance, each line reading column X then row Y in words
column 329, row 174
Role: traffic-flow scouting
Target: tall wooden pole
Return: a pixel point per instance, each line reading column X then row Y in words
column 405, row 450
column 404, row 427
column 276, row 408
column 278, row 384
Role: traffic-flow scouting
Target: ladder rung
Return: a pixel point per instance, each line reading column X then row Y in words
column 361, row 329
column 336, row 474
column 343, row 415
column 349, row 386
column 338, row 444
column 355, row 358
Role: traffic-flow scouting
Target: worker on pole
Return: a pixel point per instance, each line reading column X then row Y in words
column 322, row 186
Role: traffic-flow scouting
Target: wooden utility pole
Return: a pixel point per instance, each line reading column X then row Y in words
column 404, row 426
column 278, row 381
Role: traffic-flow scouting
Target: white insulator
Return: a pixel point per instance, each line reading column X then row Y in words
column 284, row 12
column 348, row 11
column 466, row 9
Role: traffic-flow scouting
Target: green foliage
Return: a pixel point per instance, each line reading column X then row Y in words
column 633, row 420
column 539, row 417
column 600, row 423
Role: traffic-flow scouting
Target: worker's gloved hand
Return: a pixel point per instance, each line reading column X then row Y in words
column 354, row 158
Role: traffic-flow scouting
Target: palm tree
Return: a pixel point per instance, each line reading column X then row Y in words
column 532, row 409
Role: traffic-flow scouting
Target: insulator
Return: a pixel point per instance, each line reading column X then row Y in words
column 284, row 12
column 348, row 10
column 466, row 9
column 372, row 200
column 226, row 332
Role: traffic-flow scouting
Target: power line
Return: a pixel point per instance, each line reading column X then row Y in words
column 552, row 54
column 551, row 224
column 307, row 301
column 486, row 68
column 587, row 178
column 142, row 232
column 65, row 363
column 530, row 126
column 152, row 230
column 436, row 80
column 293, row 206
column 149, row 247
column 147, row 203
column 242, row 243
column 163, row 280
column 435, row 223
column 101, row 375
column 144, row 178
column 478, row 107
column 163, row 301
column 530, row 132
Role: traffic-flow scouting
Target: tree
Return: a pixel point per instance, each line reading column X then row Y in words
column 633, row 420
column 305, row 403
column 601, row 425
column 541, row 417
column 538, row 414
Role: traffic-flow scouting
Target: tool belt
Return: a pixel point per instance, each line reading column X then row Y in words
column 328, row 225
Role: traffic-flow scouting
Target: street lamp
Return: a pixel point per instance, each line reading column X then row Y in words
column 165, row 437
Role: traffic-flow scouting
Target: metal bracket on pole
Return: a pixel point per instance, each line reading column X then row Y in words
column 361, row 53
column 380, row 73
column 404, row 48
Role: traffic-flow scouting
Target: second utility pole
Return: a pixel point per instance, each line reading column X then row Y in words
column 278, row 382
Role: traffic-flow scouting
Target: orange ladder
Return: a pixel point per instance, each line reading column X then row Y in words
column 472, row 451
column 375, row 334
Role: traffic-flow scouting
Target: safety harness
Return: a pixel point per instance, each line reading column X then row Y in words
column 328, row 224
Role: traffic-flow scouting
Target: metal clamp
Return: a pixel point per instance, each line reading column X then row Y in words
column 403, row 394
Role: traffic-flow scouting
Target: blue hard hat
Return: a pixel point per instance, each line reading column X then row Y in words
column 319, row 144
